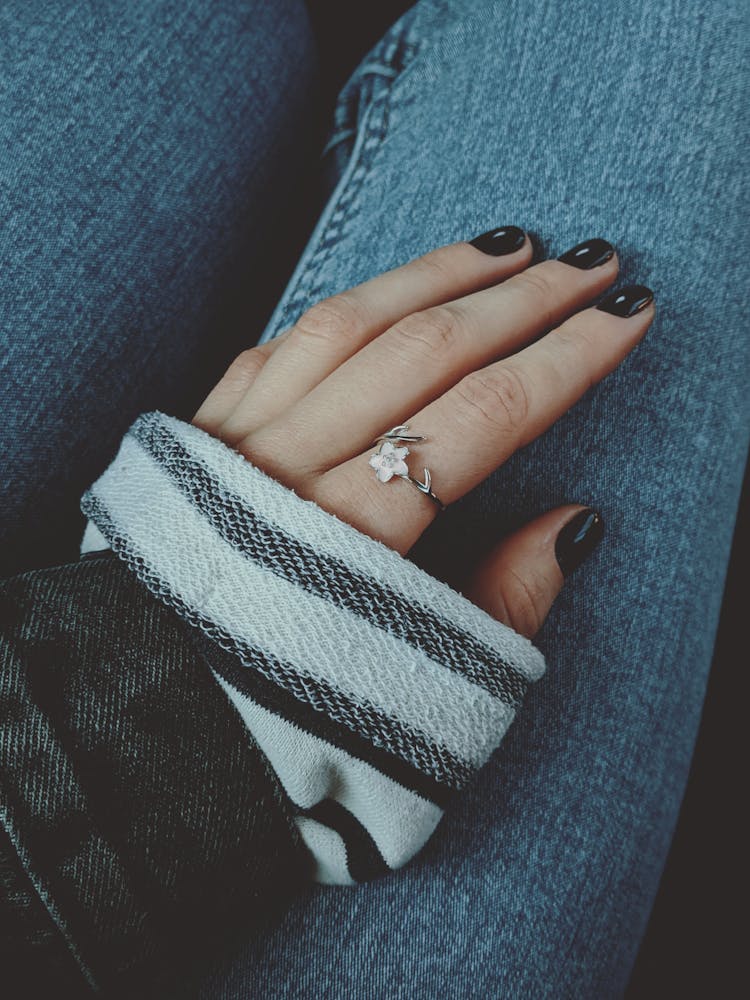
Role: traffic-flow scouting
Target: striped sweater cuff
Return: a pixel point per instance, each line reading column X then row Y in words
column 374, row 689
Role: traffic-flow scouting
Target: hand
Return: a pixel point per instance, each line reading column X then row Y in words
column 479, row 353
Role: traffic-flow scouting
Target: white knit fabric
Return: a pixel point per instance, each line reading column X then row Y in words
column 328, row 534
column 310, row 769
column 373, row 689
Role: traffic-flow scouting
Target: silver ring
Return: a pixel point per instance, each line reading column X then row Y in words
column 389, row 461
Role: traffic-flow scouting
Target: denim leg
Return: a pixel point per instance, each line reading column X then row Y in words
column 147, row 155
column 573, row 120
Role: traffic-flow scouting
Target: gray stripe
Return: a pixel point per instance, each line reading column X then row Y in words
column 360, row 717
column 325, row 575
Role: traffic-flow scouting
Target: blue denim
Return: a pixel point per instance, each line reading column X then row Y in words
column 150, row 159
column 571, row 120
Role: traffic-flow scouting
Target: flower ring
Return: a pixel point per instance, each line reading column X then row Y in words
column 389, row 461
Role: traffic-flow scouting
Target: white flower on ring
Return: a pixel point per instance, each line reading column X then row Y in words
column 389, row 462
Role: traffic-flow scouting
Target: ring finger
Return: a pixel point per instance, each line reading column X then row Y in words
column 475, row 426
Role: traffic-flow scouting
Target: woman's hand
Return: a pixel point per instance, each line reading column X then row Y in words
column 472, row 348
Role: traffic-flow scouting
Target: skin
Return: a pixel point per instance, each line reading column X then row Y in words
column 462, row 346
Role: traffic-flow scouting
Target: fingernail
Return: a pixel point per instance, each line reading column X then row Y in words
column 589, row 254
column 498, row 242
column 578, row 539
column 537, row 246
column 627, row 302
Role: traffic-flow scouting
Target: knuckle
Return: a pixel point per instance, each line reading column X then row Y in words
column 538, row 283
column 245, row 368
column 330, row 320
column 576, row 344
column 567, row 337
column 437, row 266
column 540, row 291
column 524, row 602
column 261, row 447
column 427, row 335
column 582, row 339
column 498, row 397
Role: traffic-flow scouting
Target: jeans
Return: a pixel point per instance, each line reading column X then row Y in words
column 570, row 120
column 151, row 153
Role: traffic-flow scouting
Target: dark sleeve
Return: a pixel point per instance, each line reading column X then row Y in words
column 141, row 826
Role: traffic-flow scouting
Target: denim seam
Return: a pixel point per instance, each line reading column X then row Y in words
column 378, row 76
column 46, row 898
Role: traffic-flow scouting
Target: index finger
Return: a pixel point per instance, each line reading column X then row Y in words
column 335, row 328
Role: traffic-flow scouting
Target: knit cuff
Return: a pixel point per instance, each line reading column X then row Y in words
column 374, row 689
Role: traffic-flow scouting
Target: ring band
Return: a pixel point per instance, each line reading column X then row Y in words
column 389, row 461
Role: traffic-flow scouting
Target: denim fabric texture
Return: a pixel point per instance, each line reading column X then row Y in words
column 34, row 952
column 150, row 154
column 572, row 120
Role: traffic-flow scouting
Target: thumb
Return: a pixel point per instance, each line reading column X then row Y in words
column 520, row 578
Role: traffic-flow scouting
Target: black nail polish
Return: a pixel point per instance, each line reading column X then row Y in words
column 578, row 538
column 627, row 302
column 498, row 242
column 537, row 247
column 589, row 254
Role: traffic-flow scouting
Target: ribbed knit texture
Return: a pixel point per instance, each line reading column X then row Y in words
column 374, row 689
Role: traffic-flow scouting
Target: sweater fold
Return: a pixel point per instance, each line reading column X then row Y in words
column 374, row 690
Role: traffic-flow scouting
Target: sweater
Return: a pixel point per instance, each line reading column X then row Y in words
column 233, row 695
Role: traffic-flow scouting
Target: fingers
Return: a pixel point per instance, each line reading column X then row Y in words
column 475, row 426
column 235, row 382
column 336, row 328
column 495, row 410
column 426, row 353
column 519, row 580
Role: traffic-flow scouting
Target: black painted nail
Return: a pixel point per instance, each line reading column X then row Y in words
column 589, row 254
column 578, row 539
column 537, row 247
column 627, row 302
column 497, row 242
